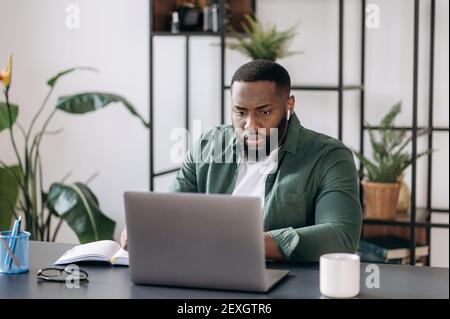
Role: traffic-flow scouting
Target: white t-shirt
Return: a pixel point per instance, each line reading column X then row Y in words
column 251, row 179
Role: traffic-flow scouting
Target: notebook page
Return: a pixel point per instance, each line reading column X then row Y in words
column 120, row 258
column 94, row 251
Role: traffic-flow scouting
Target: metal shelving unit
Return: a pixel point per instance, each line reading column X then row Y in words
column 340, row 88
column 187, row 35
column 413, row 223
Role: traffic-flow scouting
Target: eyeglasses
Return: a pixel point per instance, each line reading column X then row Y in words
column 56, row 274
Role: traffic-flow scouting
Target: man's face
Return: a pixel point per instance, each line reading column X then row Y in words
column 258, row 107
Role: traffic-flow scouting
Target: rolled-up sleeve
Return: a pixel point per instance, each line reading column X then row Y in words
column 337, row 215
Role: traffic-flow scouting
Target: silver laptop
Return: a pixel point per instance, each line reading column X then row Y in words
column 197, row 240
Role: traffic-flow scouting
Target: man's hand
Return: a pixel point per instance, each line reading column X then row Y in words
column 124, row 239
column 271, row 248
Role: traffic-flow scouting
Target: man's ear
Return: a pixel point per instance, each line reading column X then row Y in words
column 291, row 104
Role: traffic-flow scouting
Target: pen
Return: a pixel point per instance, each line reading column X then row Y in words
column 16, row 262
column 12, row 242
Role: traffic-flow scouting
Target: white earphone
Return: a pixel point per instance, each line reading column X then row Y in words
column 288, row 115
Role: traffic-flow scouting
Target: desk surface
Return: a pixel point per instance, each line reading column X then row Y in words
column 302, row 282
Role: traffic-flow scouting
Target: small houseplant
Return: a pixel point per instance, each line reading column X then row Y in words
column 259, row 42
column 382, row 184
column 21, row 184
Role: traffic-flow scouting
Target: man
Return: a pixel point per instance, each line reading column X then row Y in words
column 307, row 181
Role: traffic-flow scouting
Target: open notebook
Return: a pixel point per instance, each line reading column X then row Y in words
column 103, row 250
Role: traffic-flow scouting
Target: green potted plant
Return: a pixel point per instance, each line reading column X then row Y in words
column 383, row 174
column 21, row 184
column 259, row 42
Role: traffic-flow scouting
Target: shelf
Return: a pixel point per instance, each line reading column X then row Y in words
column 353, row 87
column 439, row 210
column 326, row 87
column 403, row 223
column 172, row 170
column 185, row 34
column 193, row 34
column 161, row 15
column 404, row 219
column 440, row 129
column 408, row 128
column 320, row 87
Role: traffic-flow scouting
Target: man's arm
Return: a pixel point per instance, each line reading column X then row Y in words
column 271, row 248
column 186, row 179
column 338, row 215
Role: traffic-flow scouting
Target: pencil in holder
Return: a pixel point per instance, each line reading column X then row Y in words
column 14, row 252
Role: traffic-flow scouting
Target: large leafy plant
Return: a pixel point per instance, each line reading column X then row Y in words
column 390, row 158
column 259, row 42
column 21, row 185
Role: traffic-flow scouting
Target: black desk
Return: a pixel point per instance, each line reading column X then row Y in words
column 302, row 282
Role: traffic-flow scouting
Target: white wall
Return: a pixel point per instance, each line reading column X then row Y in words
column 114, row 38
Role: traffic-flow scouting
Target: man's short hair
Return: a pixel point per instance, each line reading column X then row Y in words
column 264, row 70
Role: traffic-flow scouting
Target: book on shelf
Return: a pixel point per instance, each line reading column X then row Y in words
column 388, row 249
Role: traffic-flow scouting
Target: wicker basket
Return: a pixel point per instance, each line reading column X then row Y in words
column 380, row 199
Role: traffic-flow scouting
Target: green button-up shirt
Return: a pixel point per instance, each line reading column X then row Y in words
column 311, row 204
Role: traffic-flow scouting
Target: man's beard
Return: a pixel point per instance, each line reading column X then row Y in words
column 271, row 141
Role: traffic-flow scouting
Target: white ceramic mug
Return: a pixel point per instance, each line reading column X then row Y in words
column 339, row 275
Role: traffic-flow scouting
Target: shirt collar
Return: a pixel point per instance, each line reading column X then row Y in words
column 293, row 135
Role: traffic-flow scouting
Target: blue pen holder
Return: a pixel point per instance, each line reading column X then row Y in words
column 14, row 252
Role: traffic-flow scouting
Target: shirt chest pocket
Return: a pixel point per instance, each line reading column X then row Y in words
column 288, row 211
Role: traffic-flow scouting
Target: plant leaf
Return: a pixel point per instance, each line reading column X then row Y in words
column 91, row 101
column 379, row 149
column 372, row 169
column 4, row 117
column 9, row 192
column 388, row 150
column 405, row 143
column 389, row 118
column 408, row 160
column 263, row 42
column 397, row 139
column 54, row 79
column 78, row 206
